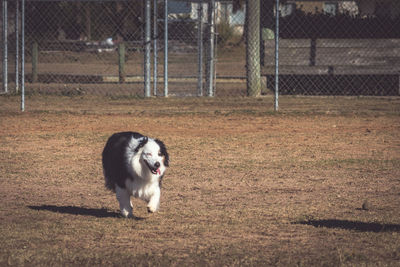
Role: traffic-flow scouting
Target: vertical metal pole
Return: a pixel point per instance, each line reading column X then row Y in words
column 165, row 47
column 5, row 47
column 17, row 46
column 147, row 43
column 276, row 105
column 200, row 49
column 210, row 70
column 155, row 52
column 23, row 56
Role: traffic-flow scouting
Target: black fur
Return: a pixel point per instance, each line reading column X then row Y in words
column 141, row 144
column 163, row 151
column 114, row 159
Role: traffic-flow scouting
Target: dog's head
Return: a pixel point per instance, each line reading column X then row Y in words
column 155, row 156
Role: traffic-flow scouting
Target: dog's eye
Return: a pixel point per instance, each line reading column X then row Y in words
column 148, row 154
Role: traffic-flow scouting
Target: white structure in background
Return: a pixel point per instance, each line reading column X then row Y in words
column 10, row 22
column 223, row 12
column 363, row 8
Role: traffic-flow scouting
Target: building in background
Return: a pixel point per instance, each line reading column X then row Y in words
column 362, row 8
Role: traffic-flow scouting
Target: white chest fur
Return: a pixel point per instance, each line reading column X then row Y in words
column 142, row 189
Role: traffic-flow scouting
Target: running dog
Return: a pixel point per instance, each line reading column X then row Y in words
column 134, row 165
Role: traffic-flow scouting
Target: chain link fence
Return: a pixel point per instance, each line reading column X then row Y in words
column 215, row 48
column 337, row 47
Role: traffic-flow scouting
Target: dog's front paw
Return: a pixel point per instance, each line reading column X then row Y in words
column 152, row 209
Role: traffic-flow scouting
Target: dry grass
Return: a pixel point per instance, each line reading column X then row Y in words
column 246, row 186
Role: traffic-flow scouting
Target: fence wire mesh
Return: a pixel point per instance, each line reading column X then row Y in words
column 75, row 47
column 215, row 48
column 338, row 47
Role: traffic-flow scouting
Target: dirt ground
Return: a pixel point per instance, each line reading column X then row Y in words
column 317, row 183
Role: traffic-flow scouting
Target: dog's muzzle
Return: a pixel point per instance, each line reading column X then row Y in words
column 155, row 169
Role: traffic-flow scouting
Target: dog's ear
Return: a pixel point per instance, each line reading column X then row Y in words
column 142, row 142
column 164, row 152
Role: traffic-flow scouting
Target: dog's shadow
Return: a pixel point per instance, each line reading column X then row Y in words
column 353, row 225
column 98, row 213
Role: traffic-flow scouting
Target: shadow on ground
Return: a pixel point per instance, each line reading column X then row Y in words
column 353, row 225
column 99, row 213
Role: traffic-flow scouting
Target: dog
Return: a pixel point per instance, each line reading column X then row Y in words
column 134, row 165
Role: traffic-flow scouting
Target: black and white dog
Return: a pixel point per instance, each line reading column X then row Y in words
column 134, row 165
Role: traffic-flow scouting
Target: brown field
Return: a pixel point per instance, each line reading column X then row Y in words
column 316, row 184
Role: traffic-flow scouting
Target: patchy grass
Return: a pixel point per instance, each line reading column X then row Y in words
column 246, row 186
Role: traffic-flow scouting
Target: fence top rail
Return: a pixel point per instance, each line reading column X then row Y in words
column 99, row 1
column 190, row 1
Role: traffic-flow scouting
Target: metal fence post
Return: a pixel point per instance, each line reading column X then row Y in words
column 210, row 53
column 200, row 49
column 155, row 52
column 23, row 55
column 5, row 47
column 165, row 47
column 147, row 43
column 16, row 46
column 276, row 104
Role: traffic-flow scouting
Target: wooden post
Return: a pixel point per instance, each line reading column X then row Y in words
column 313, row 51
column 34, row 62
column 121, row 62
column 88, row 28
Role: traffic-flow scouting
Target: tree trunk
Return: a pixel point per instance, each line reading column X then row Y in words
column 253, row 48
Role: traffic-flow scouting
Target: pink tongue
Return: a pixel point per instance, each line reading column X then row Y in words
column 158, row 171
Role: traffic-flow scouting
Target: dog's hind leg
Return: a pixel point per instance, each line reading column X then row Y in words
column 124, row 200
